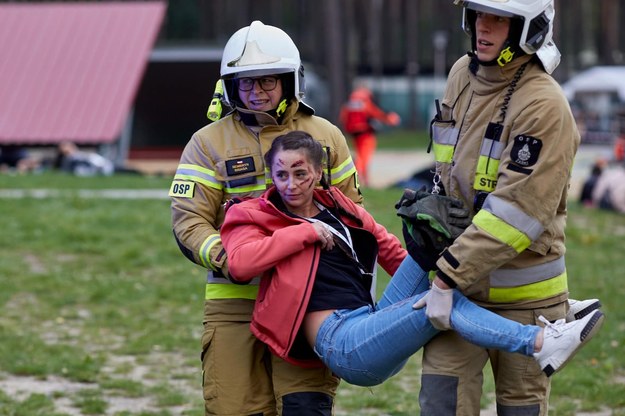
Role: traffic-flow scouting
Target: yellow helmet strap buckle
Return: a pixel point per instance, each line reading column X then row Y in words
column 281, row 107
column 505, row 56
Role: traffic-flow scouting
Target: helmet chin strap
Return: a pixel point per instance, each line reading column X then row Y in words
column 281, row 107
column 505, row 56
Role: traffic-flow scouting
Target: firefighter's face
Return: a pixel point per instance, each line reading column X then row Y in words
column 295, row 178
column 492, row 32
column 260, row 97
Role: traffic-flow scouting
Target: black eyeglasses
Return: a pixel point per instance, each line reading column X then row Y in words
column 266, row 83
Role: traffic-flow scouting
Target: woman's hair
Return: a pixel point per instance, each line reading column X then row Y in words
column 297, row 140
column 300, row 140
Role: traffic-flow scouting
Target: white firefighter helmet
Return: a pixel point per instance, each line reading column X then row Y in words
column 536, row 35
column 260, row 49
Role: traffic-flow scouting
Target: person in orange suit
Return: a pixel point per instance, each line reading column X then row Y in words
column 356, row 117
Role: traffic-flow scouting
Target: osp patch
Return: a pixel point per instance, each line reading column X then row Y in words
column 182, row 189
column 525, row 152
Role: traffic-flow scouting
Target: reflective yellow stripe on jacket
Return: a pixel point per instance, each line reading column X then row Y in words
column 488, row 165
column 199, row 174
column 259, row 186
column 342, row 171
column 205, row 250
column 230, row 291
column 536, row 282
column 220, row 288
column 539, row 290
column 516, row 229
column 444, row 139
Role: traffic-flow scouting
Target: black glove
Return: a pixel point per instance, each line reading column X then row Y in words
column 444, row 214
column 431, row 222
column 422, row 251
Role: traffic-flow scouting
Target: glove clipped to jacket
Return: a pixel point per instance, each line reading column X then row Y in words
column 430, row 223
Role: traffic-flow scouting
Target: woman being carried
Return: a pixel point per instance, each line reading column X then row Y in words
column 316, row 251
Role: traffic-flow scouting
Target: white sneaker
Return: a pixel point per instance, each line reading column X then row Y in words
column 562, row 340
column 580, row 308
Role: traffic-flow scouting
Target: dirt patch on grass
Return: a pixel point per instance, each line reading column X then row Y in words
column 145, row 370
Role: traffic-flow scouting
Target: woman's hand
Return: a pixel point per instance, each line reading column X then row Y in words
column 325, row 236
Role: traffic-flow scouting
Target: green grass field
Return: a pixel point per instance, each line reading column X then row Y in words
column 101, row 314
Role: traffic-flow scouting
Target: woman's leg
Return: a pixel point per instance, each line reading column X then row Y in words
column 409, row 280
column 367, row 346
column 487, row 329
column 351, row 357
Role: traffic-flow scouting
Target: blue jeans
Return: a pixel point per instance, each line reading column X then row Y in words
column 366, row 346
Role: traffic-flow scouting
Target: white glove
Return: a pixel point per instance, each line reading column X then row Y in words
column 438, row 304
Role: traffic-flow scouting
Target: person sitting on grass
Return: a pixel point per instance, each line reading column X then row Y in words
column 316, row 251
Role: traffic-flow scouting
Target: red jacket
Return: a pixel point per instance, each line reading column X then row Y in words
column 357, row 113
column 262, row 240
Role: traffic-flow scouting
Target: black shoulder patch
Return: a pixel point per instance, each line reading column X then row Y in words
column 525, row 151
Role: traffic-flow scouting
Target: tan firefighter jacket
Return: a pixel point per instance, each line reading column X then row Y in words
column 508, row 157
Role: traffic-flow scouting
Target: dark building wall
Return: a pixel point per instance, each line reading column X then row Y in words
column 171, row 105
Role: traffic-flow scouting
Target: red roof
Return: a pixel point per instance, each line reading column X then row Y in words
column 70, row 71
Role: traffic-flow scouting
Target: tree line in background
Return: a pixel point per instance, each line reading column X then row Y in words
column 380, row 36
column 343, row 39
column 346, row 38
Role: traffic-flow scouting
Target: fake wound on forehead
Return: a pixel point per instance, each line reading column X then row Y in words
column 297, row 163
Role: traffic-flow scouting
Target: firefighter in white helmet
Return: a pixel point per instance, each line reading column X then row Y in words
column 263, row 82
column 504, row 140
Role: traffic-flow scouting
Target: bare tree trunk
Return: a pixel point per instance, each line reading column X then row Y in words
column 589, row 46
column 374, row 41
column 608, row 35
column 352, row 42
column 335, row 56
column 412, row 60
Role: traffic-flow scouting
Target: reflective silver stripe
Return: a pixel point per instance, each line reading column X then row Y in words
column 492, row 149
column 513, row 216
column 205, row 248
column 197, row 174
column 210, row 278
column 344, row 170
column 445, row 135
column 527, row 275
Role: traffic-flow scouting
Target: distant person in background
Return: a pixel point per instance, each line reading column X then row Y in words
column 14, row 158
column 81, row 163
column 358, row 117
column 609, row 192
column 619, row 143
column 619, row 148
column 591, row 182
